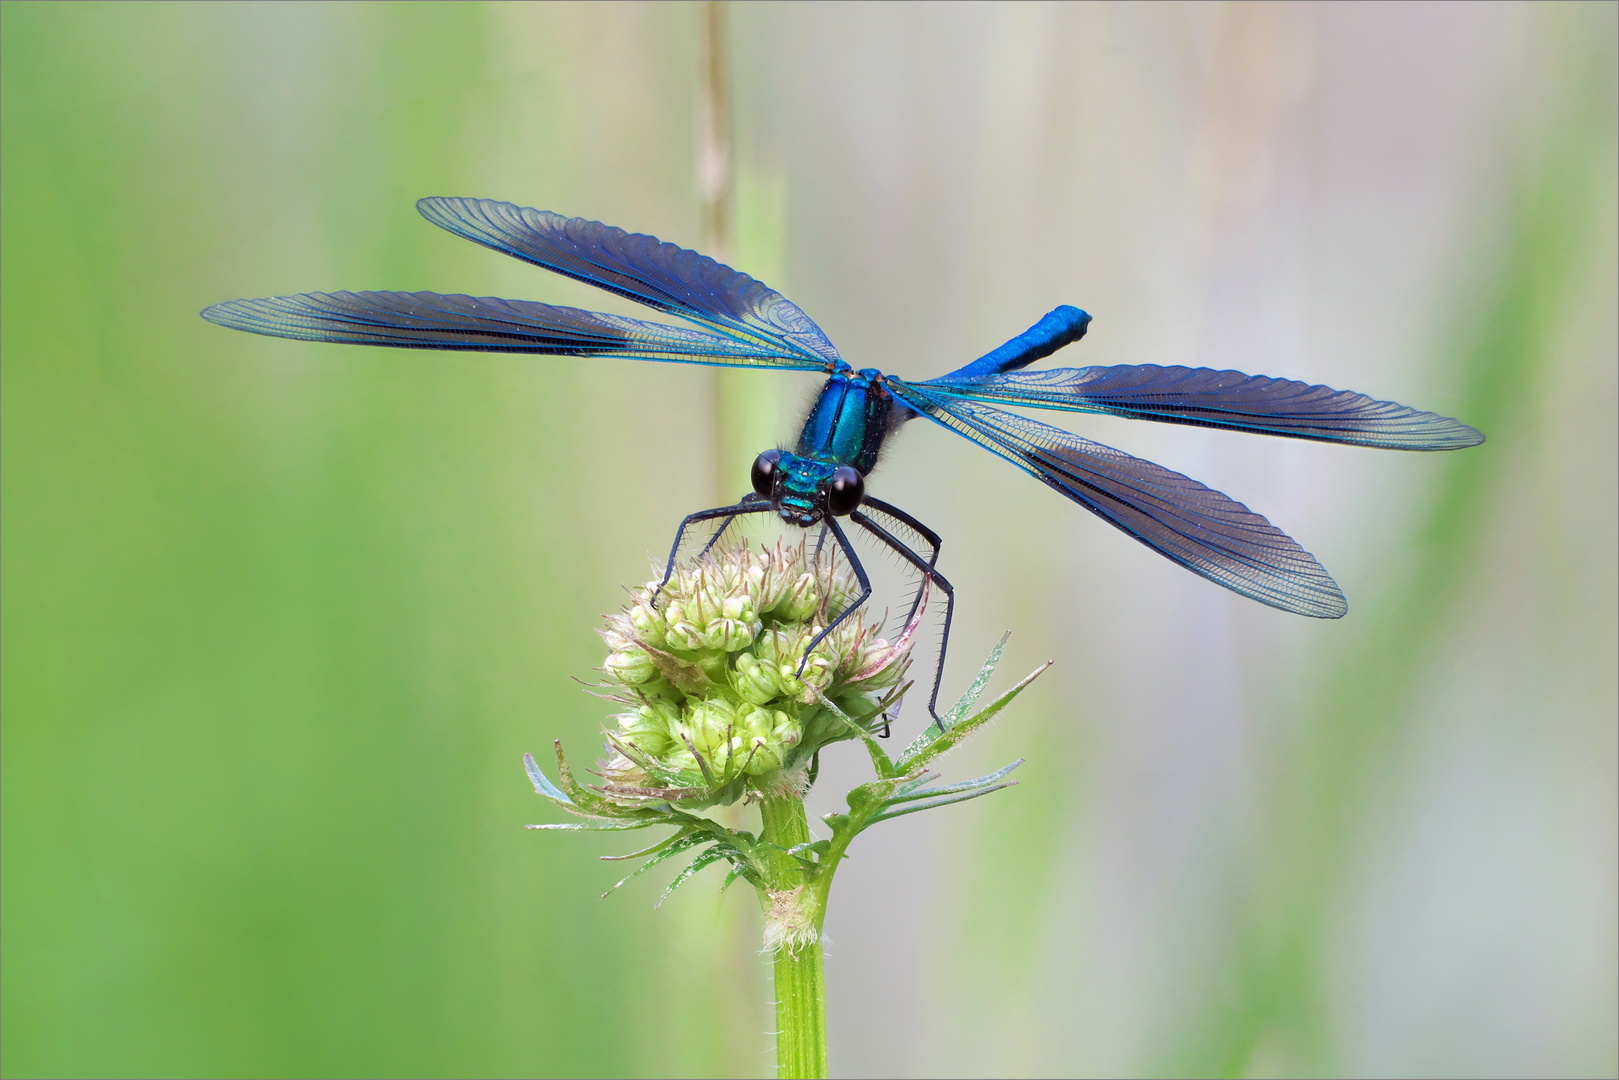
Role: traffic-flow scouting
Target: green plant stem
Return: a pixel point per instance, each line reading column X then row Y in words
column 796, row 901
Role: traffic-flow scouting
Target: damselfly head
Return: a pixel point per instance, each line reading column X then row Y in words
column 804, row 491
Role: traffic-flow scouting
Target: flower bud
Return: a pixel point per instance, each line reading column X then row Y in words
column 630, row 666
column 646, row 730
column 817, row 674
column 754, row 681
column 760, row 756
column 778, row 645
column 660, row 714
column 754, row 721
column 731, row 635
column 705, row 602
column 785, row 730
column 736, row 710
column 683, row 635
column 773, row 582
column 648, row 624
column 682, row 761
column 876, row 664
column 800, row 601
column 708, row 724
column 753, row 583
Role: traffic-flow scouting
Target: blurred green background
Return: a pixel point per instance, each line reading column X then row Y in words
column 280, row 619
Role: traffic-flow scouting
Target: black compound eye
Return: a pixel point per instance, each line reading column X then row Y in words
column 764, row 471
column 844, row 490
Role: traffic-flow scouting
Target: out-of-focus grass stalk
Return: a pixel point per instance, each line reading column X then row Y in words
column 1277, row 1004
column 742, row 225
column 717, row 190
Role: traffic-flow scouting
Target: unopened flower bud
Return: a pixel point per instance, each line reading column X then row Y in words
column 705, row 603
column 785, row 730
column 708, row 724
column 755, row 721
column 876, row 664
column 683, row 635
column 648, row 624
column 800, row 601
column 645, row 730
column 754, row 681
column 630, row 666
column 759, row 756
column 753, row 582
column 731, row 708
column 731, row 635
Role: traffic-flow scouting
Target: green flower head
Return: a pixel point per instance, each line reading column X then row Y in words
column 721, row 701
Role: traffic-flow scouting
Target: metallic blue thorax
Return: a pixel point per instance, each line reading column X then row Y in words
column 846, row 426
column 849, row 420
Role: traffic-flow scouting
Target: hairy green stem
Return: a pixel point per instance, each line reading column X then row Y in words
column 795, row 907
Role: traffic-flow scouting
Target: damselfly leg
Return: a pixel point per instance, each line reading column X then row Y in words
column 730, row 513
column 928, row 572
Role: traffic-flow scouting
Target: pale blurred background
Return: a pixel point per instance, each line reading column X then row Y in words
column 281, row 619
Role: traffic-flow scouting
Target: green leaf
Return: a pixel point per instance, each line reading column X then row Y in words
column 911, row 794
column 588, row 805
column 930, row 744
column 681, row 842
column 866, row 795
column 960, row 708
column 879, row 758
column 587, row 800
column 594, row 825
column 916, row 808
column 543, row 785
column 653, row 850
column 657, row 794
column 910, row 783
column 706, row 859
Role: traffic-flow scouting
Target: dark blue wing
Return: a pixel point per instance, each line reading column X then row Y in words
column 1203, row 530
column 1225, row 399
column 426, row 320
column 642, row 268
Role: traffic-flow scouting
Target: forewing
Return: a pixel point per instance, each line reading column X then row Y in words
column 1196, row 526
column 426, row 320
column 642, row 268
column 1227, row 399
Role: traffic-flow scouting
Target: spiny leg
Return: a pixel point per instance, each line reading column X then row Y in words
column 750, row 497
column 692, row 519
column 927, row 534
column 938, row 579
column 865, row 592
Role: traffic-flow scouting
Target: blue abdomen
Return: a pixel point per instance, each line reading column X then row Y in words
column 1060, row 326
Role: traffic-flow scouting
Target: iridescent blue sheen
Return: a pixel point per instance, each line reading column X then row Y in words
column 740, row 322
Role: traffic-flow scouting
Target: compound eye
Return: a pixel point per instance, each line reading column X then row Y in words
column 844, row 490
column 764, row 471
